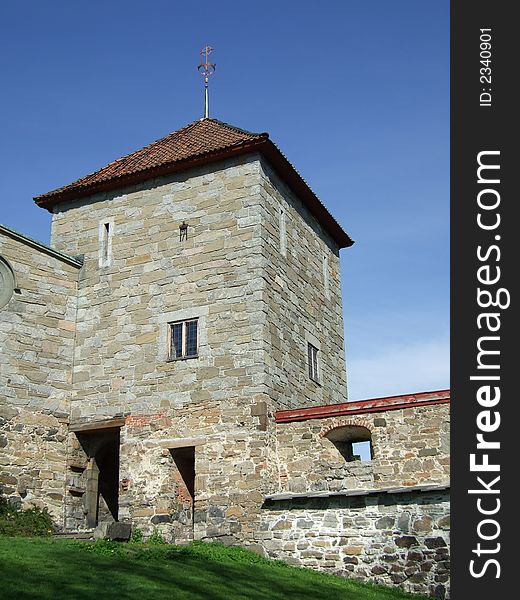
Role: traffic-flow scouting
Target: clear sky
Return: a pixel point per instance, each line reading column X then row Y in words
column 355, row 93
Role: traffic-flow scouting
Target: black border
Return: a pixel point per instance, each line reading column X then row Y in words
column 476, row 128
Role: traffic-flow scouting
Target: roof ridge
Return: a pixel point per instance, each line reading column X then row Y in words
column 238, row 129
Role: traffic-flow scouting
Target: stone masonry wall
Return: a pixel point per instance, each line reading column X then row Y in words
column 391, row 539
column 150, row 278
column 121, row 366
column 232, row 474
column 411, row 447
column 302, row 272
column 36, row 341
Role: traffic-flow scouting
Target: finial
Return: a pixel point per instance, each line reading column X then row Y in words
column 206, row 69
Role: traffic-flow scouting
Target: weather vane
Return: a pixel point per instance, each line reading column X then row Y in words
column 206, row 69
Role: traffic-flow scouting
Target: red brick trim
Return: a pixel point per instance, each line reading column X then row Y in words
column 364, row 406
column 346, row 423
column 143, row 419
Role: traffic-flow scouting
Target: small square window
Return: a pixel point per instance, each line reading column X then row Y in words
column 313, row 362
column 183, row 339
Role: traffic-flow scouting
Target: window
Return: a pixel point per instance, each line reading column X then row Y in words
column 313, row 362
column 7, row 283
column 283, row 234
column 105, row 239
column 105, row 242
column 183, row 339
column 326, row 284
column 354, row 442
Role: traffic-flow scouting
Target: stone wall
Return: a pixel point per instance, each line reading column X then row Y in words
column 224, row 274
column 148, row 279
column 302, row 272
column 392, row 539
column 232, row 475
column 121, row 363
column 36, row 339
column 410, row 446
column 192, row 447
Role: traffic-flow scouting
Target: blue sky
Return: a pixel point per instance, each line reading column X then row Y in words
column 356, row 94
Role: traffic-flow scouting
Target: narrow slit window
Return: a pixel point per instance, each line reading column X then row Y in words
column 105, row 243
column 106, row 238
column 184, row 339
column 283, row 234
column 183, row 232
column 313, row 362
column 326, row 283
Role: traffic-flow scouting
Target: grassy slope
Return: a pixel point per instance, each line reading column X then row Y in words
column 55, row 569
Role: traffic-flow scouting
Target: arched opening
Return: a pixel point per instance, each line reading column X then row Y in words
column 354, row 442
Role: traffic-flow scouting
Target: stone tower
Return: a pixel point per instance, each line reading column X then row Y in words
column 209, row 297
column 175, row 362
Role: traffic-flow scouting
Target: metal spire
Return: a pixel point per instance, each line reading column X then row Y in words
column 206, row 69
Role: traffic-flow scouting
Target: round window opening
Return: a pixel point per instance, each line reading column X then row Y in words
column 6, row 282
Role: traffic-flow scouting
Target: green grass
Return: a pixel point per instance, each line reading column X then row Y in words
column 54, row 569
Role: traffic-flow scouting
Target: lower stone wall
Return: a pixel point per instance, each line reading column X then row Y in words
column 32, row 459
column 392, row 539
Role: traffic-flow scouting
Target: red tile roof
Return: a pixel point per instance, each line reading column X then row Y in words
column 200, row 142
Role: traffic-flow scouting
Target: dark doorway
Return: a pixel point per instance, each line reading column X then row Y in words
column 107, row 458
column 184, row 459
column 101, row 501
column 183, row 487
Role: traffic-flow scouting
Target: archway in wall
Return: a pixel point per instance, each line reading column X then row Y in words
column 353, row 442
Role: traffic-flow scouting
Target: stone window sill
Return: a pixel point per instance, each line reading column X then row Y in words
column 181, row 358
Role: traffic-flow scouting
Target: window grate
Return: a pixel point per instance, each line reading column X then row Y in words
column 183, row 339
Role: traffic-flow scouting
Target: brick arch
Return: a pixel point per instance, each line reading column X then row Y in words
column 346, row 423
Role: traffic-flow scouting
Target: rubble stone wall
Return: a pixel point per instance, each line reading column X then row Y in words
column 391, row 539
column 410, row 446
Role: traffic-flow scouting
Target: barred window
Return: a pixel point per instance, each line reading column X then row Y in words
column 313, row 362
column 183, row 339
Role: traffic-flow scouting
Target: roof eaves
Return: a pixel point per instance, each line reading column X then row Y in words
column 412, row 489
column 50, row 199
column 289, row 173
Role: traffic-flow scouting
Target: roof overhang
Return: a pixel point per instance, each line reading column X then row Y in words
column 263, row 145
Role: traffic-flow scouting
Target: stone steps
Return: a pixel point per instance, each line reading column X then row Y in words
column 87, row 535
column 117, row 531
